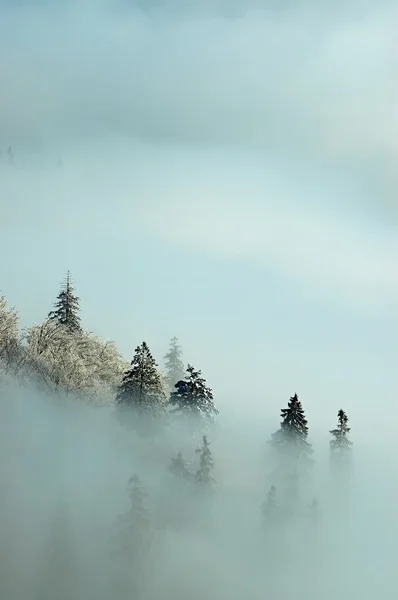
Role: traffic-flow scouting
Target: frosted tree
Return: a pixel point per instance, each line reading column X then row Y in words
column 270, row 506
column 206, row 465
column 66, row 308
column 9, row 344
column 142, row 388
column 340, row 444
column 173, row 363
column 193, row 398
column 59, row 361
column 179, row 467
column 292, row 435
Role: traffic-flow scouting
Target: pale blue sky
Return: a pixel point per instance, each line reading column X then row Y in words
column 229, row 182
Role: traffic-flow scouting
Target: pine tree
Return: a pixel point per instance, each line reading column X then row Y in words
column 270, row 506
column 131, row 543
column 141, row 387
column 293, row 432
column 66, row 308
column 341, row 444
column 179, row 467
column 173, row 363
column 193, row 397
column 206, row 465
column 132, row 540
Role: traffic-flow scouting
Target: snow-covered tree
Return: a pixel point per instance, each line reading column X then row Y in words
column 340, row 444
column 293, row 432
column 78, row 363
column 206, row 464
column 9, row 347
column 141, row 388
column 192, row 397
column 66, row 308
column 179, row 467
column 174, row 366
column 270, row 506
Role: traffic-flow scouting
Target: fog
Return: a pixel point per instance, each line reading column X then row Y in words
column 64, row 476
column 225, row 172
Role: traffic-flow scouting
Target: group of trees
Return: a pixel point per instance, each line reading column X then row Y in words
column 61, row 358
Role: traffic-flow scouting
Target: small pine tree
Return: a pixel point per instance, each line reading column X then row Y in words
column 206, row 465
column 270, row 506
column 141, row 387
column 173, row 363
column 132, row 540
column 341, row 444
column 179, row 467
column 293, row 432
column 193, row 397
column 66, row 308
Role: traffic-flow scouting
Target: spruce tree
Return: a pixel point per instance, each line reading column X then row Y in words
column 293, row 432
column 341, row 444
column 66, row 308
column 141, row 387
column 173, row 363
column 192, row 397
column 206, row 465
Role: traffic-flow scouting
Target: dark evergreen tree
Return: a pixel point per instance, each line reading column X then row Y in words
column 179, row 467
column 206, row 465
column 270, row 507
column 173, row 363
column 193, row 397
column 293, row 432
column 141, row 387
column 66, row 308
column 341, row 444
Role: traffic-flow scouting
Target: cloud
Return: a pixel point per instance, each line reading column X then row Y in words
column 349, row 261
column 307, row 78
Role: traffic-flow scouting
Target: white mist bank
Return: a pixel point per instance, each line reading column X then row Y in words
column 74, row 461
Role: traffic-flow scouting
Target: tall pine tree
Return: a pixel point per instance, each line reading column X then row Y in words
column 66, row 308
column 141, row 388
column 173, row 363
column 293, row 432
column 206, row 464
column 192, row 397
column 341, row 444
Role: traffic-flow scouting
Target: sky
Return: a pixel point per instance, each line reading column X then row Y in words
column 225, row 176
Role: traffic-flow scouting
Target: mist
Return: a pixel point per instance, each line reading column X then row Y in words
column 224, row 172
column 64, row 476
